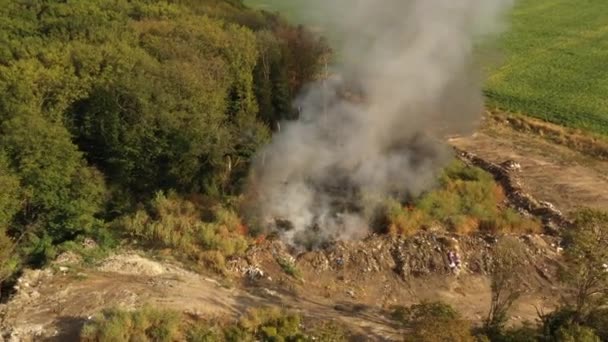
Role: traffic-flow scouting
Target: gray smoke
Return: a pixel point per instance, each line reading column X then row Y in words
column 412, row 64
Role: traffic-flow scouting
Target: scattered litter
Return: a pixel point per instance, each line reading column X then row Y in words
column 254, row 272
column 340, row 262
column 454, row 262
column 511, row 165
column 270, row 292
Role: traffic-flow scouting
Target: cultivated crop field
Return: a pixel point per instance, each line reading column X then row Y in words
column 554, row 64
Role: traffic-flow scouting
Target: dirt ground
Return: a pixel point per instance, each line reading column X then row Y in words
column 549, row 172
column 54, row 306
column 359, row 292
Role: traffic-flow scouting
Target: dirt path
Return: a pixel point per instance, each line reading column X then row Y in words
column 54, row 306
column 549, row 172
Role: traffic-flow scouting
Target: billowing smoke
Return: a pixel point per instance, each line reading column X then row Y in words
column 411, row 64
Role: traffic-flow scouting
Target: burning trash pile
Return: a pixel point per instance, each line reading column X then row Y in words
column 412, row 60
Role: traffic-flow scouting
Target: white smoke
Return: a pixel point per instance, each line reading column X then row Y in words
column 413, row 63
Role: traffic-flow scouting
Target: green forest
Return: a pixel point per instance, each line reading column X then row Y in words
column 105, row 105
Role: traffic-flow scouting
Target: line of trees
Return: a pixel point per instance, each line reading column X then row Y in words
column 103, row 103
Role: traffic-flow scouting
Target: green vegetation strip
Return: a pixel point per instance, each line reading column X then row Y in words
column 263, row 324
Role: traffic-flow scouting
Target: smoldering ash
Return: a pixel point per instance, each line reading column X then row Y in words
column 412, row 64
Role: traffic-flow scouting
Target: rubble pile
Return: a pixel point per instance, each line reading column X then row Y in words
column 26, row 291
column 505, row 174
column 421, row 255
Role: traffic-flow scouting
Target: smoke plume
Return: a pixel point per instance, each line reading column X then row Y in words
column 413, row 66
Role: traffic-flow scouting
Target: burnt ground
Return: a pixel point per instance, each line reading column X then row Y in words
column 355, row 283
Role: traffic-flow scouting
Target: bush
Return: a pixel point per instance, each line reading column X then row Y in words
column 262, row 324
column 270, row 324
column 173, row 222
column 330, row 331
column 467, row 200
column 205, row 333
column 433, row 321
column 525, row 333
column 289, row 267
column 147, row 324
column 9, row 261
column 576, row 333
column 213, row 260
column 598, row 320
column 552, row 322
column 567, row 324
column 403, row 221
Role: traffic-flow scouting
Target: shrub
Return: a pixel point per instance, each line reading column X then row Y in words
column 576, row 333
column 330, row 331
column 568, row 324
column 173, row 222
column 261, row 324
column 213, row 260
column 552, row 322
column 403, row 221
column 205, row 333
column 9, row 261
column 510, row 221
column 271, row 324
column 525, row 333
column 468, row 199
column 289, row 267
column 147, row 324
column 433, row 322
column 462, row 224
column 598, row 320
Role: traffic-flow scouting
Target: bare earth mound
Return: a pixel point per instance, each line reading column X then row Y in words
column 355, row 283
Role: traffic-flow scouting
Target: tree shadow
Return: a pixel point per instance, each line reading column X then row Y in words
column 378, row 319
column 68, row 329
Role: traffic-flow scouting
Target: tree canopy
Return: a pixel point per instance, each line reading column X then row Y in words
column 103, row 103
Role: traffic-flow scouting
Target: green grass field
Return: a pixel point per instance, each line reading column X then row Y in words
column 555, row 64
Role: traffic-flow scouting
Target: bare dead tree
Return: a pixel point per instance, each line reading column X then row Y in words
column 506, row 282
column 585, row 274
